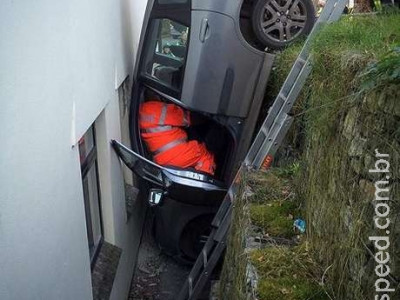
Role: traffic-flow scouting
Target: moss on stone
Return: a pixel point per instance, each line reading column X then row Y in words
column 275, row 218
column 287, row 273
column 290, row 288
column 233, row 275
column 273, row 205
column 268, row 186
column 350, row 112
column 348, row 108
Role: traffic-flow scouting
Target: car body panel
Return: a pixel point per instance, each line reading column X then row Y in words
column 224, row 80
column 216, row 81
column 230, row 8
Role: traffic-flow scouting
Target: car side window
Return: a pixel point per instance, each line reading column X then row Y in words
column 166, row 52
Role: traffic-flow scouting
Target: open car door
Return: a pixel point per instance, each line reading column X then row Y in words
column 184, row 185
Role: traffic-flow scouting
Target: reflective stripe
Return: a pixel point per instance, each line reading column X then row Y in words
column 163, row 114
column 156, row 129
column 199, row 164
column 146, row 118
column 186, row 118
column 169, row 146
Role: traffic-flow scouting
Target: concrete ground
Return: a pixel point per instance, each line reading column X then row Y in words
column 157, row 276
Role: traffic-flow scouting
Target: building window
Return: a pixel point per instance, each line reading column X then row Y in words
column 91, row 194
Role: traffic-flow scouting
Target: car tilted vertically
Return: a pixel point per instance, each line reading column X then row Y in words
column 208, row 57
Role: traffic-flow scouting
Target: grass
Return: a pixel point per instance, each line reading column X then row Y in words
column 275, row 219
column 269, row 186
column 287, row 273
column 273, row 206
column 233, row 280
column 349, row 107
column 284, row 271
column 350, row 112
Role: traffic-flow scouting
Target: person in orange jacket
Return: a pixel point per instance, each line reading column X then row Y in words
column 162, row 129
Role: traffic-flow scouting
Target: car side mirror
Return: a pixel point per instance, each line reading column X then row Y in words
column 155, row 197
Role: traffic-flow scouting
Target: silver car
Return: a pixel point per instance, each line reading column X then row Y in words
column 207, row 56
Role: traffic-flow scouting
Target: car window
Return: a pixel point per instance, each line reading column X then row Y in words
column 166, row 52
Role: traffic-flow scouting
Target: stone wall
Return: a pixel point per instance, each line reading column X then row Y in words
column 348, row 109
column 352, row 112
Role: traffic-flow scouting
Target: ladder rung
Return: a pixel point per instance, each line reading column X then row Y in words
column 208, row 270
column 264, row 131
column 223, row 229
column 204, row 257
column 301, row 60
column 221, row 211
column 282, row 96
column 190, row 280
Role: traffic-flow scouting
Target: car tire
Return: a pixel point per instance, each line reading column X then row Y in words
column 278, row 23
column 194, row 236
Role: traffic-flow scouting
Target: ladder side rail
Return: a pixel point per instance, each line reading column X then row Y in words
column 296, row 89
column 226, row 203
column 253, row 157
column 298, row 65
column 302, row 57
column 283, row 93
column 331, row 12
column 338, row 11
column 322, row 19
column 209, row 268
column 223, row 229
column 195, row 272
column 272, row 143
column 222, row 218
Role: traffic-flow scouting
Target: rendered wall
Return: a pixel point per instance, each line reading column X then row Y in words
column 60, row 65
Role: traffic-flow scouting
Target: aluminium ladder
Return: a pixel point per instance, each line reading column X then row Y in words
column 260, row 155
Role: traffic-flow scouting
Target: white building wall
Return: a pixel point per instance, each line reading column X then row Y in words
column 60, row 64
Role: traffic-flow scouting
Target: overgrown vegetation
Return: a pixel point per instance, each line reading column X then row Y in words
column 233, row 279
column 285, row 270
column 349, row 108
column 273, row 206
column 287, row 273
column 342, row 131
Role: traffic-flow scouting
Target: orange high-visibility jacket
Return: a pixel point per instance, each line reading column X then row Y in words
column 161, row 129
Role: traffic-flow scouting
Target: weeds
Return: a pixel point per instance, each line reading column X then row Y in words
column 349, row 107
column 288, row 273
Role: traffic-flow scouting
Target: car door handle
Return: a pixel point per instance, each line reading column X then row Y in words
column 203, row 30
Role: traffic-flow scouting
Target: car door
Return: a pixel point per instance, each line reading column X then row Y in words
column 222, row 70
column 182, row 185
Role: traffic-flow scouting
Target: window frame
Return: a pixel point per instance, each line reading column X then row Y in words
column 180, row 13
column 89, row 162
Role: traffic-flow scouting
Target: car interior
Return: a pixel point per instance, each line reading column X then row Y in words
column 166, row 51
column 215, row 136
